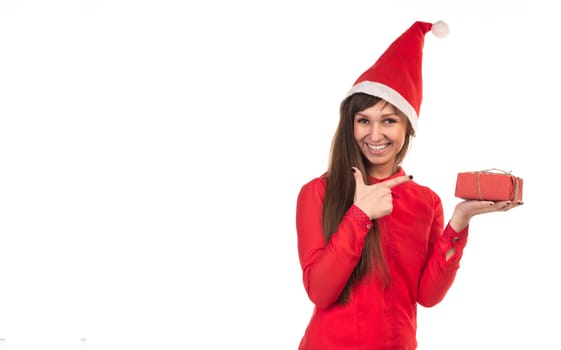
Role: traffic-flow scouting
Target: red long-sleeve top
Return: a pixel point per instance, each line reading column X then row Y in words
column 414, row 242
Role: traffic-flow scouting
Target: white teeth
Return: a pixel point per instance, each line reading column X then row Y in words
column 377, row 148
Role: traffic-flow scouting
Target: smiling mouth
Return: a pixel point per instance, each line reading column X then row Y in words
column 378, row 147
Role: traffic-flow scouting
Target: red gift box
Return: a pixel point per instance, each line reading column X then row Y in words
column 491, row 185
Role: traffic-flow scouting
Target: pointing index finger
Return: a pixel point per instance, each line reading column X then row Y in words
column 391, row 183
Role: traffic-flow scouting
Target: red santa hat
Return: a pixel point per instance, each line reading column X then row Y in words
column 397, row 75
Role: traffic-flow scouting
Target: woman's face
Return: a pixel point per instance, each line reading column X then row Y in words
column 380, row 132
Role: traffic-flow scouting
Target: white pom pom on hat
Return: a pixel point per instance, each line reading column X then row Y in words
column 397, row 74
column 440, row 29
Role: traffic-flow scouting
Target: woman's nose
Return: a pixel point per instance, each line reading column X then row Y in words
column 376, row 132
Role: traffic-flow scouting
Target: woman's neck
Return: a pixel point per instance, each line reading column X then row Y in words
column 382, row 172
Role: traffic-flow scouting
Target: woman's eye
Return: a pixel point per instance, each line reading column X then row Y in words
column 390, row 121
column 362, row 121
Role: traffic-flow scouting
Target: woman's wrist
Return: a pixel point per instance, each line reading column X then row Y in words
column 459, row 222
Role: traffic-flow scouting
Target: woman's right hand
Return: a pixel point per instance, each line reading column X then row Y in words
column 375, row 200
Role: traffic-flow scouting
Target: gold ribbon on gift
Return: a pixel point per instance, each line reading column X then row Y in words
column 495, row 171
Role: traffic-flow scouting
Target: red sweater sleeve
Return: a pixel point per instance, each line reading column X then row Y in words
column 326, row 267
column 439, row 274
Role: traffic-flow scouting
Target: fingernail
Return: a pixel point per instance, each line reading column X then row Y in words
column 411, row 177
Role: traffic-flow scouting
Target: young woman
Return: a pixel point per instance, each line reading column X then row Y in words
column 372, row 242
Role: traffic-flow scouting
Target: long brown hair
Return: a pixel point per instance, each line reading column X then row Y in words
column 339, row 195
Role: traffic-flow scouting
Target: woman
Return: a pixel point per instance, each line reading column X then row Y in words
column 372, row 243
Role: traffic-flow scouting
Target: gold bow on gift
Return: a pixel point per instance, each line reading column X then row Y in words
column 515, row 180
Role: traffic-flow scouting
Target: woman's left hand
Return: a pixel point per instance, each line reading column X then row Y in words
column 467, row 209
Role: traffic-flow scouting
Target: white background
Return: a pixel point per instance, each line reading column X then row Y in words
column 151, row 153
